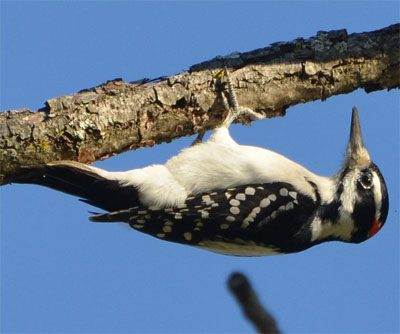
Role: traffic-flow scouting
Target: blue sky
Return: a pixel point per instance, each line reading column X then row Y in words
column 61, row 273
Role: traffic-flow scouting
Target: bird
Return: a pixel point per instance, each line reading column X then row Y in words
column 233, row 199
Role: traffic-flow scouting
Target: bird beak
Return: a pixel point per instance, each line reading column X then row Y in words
column 357, row 154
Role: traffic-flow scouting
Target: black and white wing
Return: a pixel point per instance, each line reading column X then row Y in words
column 254, row 219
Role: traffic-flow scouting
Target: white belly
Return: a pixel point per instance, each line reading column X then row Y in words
column 242, row 249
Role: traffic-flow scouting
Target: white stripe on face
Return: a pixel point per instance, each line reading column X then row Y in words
column 377, row 193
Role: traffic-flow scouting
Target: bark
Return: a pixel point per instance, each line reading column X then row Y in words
column 117, row 116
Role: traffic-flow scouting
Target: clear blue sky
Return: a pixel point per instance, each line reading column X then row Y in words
column 61, row 273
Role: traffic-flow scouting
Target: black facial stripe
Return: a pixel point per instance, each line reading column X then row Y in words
column 332, row 210
column 363, row 216
column 385, row 198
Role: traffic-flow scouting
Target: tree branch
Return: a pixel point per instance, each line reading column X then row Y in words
column 117, row 116
column 251, row 306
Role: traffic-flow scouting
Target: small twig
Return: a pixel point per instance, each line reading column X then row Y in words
column 241, row 288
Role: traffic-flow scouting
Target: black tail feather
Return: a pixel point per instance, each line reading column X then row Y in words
column 92, row 188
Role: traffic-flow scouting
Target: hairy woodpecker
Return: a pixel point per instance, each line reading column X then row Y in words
column 233, row 199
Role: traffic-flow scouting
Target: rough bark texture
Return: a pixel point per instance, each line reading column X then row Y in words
column 117, row 116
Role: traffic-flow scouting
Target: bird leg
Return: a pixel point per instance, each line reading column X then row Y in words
column 199, row 138
column 245, row 115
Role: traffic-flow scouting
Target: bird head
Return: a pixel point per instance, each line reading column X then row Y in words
column 361, row 188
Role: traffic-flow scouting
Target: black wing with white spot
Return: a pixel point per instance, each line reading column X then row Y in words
column 270, row 214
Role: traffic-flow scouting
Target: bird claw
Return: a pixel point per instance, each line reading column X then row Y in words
column 243, row 114
column 246, row 116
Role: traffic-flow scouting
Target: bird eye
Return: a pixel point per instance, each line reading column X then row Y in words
column 366, row 180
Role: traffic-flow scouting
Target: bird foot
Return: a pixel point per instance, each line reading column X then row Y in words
column 243, row 114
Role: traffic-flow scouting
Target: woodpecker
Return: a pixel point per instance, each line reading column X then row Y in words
column 233, row 199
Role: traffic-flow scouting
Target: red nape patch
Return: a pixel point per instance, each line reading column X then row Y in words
column 374, row 229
